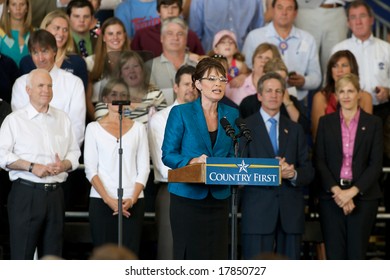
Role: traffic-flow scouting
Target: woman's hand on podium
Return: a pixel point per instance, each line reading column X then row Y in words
column 201, row 159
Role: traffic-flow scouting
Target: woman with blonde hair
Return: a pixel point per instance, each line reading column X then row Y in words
column 145, row 98
column 57, row 23
column 262, row 54
column 348, row 157
column 15, row 29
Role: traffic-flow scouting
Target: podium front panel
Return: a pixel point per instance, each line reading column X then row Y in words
column 242, row 171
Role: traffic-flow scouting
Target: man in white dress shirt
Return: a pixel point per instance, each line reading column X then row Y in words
column 372, row 55
column 68, row 89
column 297, row 47
column 185, row 93
column 38, row 148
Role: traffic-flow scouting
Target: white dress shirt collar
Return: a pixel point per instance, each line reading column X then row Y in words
column 266, row 116
column 32, row 112
column 360, row 42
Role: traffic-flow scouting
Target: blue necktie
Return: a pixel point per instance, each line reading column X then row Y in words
column 272, row 135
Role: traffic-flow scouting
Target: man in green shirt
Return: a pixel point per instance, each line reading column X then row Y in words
column 80, row 14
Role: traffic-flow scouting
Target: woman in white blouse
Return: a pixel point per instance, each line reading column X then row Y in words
column 101, row 160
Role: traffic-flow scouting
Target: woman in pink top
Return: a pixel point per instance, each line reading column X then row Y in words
column 348, row 157
column 262, row 54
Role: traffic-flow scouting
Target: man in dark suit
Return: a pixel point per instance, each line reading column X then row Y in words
column 273, row 217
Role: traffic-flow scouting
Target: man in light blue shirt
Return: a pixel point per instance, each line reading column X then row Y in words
column 297, row 47
column 207, row 17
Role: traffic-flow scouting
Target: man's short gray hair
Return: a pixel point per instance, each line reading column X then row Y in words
column 31, row 75
column 176, row 20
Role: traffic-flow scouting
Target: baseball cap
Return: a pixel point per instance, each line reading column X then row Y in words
column 220, row 34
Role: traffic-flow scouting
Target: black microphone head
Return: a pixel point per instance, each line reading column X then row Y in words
column 121, row 102
column 228, row 128
column 239, row 122
column 224, row 122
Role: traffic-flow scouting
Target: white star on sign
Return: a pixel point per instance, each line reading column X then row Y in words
column 243, row 166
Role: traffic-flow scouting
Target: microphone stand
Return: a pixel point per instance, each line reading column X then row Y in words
column 234, row 204
column 234, row 209
column 234, row 189
column 120, row 189
column 120, row 104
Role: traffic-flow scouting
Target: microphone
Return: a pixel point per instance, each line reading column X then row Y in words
column 228, row 128
column 243, row 129
column 121, row 102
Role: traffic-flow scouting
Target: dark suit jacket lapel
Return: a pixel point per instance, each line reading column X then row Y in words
column 335, row 129
column 360, row 131
column 283, row 135
column 262, row 137
column 201, row 126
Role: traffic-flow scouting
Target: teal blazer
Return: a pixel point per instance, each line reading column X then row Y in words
column 187, row 137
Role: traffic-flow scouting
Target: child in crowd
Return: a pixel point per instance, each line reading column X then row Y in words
column 225, row 44
column 95, row 28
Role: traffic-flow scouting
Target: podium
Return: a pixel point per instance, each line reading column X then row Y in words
column 194, row 173
column 230, row 171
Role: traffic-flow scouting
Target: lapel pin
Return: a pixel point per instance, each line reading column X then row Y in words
column 285, row 131
column 363, row 128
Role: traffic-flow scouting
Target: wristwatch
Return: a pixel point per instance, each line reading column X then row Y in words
column 31, row 167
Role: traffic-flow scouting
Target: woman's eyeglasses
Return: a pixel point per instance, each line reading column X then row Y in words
column 214, row 79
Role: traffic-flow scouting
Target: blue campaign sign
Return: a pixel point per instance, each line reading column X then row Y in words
column 243, row 171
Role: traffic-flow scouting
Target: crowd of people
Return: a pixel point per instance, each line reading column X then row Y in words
column 148, row 85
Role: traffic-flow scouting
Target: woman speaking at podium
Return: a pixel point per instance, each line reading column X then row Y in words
column 199, row 213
